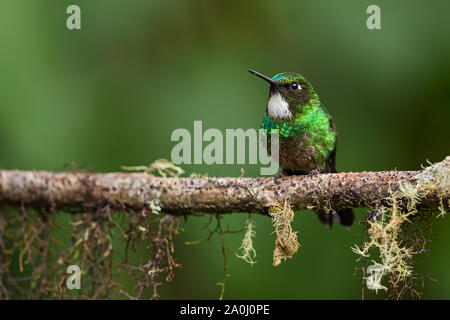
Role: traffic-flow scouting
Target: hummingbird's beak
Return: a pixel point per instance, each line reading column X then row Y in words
column 269, row 80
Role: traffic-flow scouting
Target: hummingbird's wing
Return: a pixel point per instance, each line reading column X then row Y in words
column 323, row 107
column 344, row 216
column 331, row 161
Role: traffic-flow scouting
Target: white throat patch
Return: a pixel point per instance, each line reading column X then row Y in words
column 277, row 107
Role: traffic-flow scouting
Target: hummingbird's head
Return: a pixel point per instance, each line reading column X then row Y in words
column 289, row 93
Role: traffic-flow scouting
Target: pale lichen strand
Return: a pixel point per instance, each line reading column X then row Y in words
column 436, row 178
column 388, row 227
column 286, row 242
column 248, row 251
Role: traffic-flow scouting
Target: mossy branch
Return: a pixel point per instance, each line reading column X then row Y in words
column 400, row 203
column 78, row 191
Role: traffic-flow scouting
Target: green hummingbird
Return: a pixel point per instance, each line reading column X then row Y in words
column 307, row 136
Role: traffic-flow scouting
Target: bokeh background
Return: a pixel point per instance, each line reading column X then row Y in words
column 112, row 93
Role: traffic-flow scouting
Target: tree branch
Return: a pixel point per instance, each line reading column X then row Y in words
column 123, row 191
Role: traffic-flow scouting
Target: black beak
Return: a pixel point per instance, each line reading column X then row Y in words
column 269, row 80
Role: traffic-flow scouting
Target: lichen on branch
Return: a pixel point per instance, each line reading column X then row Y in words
column 401, row 204
column 286, row 243
column 396, row 232
column 82, row 191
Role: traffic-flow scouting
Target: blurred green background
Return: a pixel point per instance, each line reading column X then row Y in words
column 112, row 93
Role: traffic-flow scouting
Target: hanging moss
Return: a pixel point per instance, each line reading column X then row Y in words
column 395, row 233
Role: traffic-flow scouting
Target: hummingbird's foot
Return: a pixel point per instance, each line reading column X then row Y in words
column 314, row 172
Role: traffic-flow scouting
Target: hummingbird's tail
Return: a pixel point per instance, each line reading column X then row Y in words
column 344, row 217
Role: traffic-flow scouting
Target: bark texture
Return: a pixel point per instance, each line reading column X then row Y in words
column 137, row 191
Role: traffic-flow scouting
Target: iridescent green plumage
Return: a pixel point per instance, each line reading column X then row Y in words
column 309, row 129
column 314, row 123
column 306, row 133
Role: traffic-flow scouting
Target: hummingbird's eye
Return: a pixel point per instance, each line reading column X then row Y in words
column 295, row 86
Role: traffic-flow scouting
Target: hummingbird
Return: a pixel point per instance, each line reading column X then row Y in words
column 307, row 138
